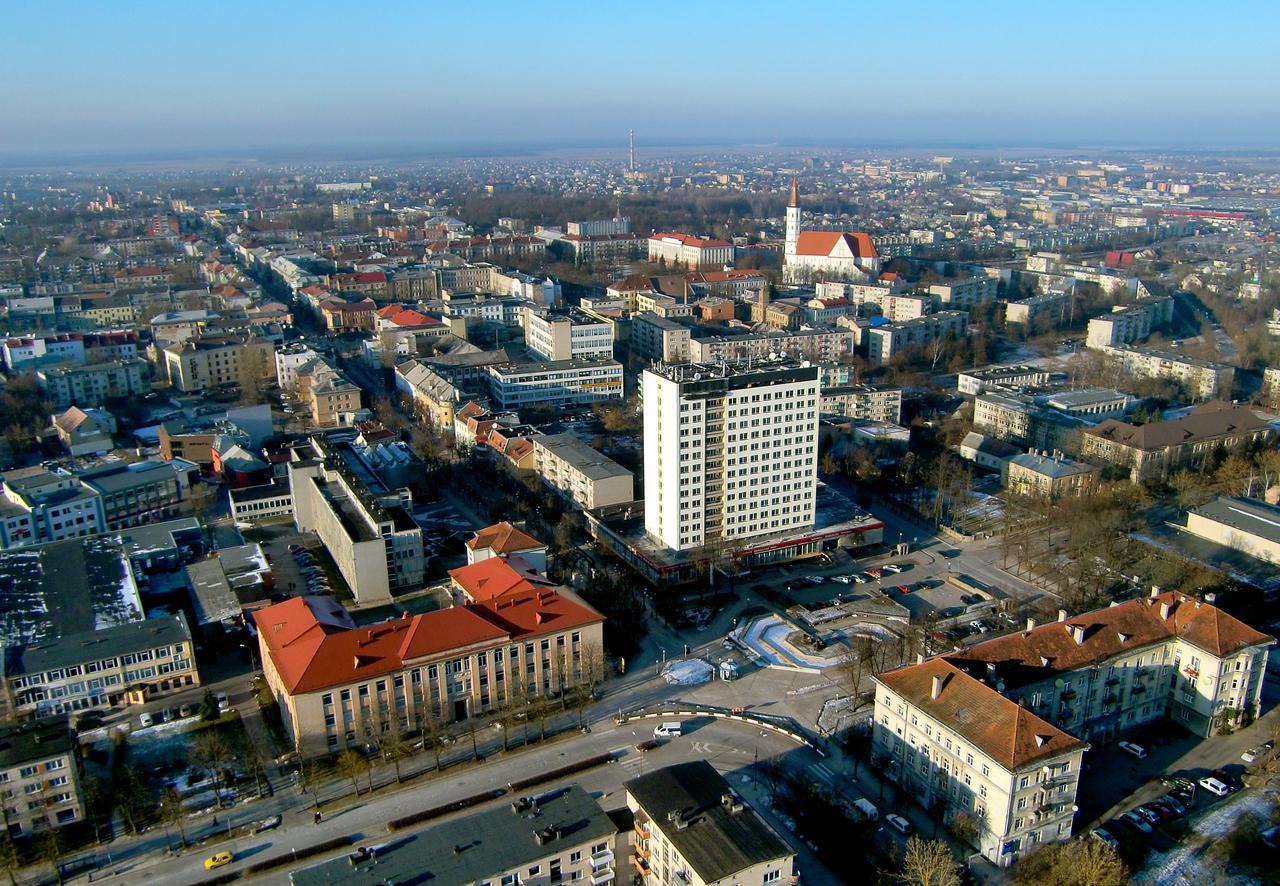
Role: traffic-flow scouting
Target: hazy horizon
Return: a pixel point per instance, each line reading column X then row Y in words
column 154, row 80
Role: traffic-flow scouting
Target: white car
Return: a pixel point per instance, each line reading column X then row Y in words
column 843, row 579
column 898, row 823
column 1251, row 755
column 891, row 567
column 1136, row 750
column 859, row 578
column 146, row 720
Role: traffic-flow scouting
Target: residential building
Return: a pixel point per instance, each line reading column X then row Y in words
column 289, row 360
column 505, row 541
column 559, row 836
column 48, row 350
column 1051, row 476
column 870, row 402
column 566, row 334
column 889, row 340
column 556, row 383
column 334, row 399
column 998, row 730
column 693, row 829
column 39, row 776
column 578, row 472
column 348, row 316
column 1037, row 310
column 210, row 361
column 589, row 249
column 975, row 381
column 1271, row 387
column 657, row 338
column 1019, row 418
column 815, row 344
column 340, row 686
column 39, row 505
column 1242, row 524
column 836, row 255
column 1129, row 323
column 1202, row 379
column 364, row 525
column 987, row 452
column 964, row 294
column 108, row 666
column 93, row 384
column 85, row 433
column 730, row 451
column 435, row 399
column 1158, row 448
column 694, row 253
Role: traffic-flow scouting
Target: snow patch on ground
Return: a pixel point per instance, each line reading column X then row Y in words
column 688, row 672
column 1181, row 866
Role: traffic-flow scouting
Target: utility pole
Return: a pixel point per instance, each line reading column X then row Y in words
column 631, row 135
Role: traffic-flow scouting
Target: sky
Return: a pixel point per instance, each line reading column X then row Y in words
column 79, row 78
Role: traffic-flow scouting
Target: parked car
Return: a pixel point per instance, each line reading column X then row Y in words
column 1105, row 836
column 843, row 579
column 1214, row 786
column 296, row 549
column 1135, row 749
column 904, row 589
column 815, row 579
column 224, row 703
column 1136, row 821
column 146, row 720
column 859, row 578
column 872, row 573
column 898, row 823
column 895, row 568
column 668, row 730
column 1252, row 754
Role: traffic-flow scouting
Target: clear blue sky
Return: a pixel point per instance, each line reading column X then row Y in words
column 80, row 76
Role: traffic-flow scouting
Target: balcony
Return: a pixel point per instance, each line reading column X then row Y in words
column 642, row 830
column 602, row 876
column 642, row 851
column 604, row 857
column 641, row 865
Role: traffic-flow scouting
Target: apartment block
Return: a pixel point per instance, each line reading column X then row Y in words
column 566, row 334
column 815, row 344
column 1041, row 308
column 1129, row 323
column 587, row 478
column 364, row 525
column 93, row 384
column 1046, row 694
column 964, row 294
column 557, row 383
column 210, row 361
column 657, row 338
column 870, row 402
column 341, row 686
column 888, row 341
column 1202, row 379
column 39, row 776
column 730, row 451
column 693, row 829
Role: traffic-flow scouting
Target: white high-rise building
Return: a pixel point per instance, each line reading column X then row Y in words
column 730, row 451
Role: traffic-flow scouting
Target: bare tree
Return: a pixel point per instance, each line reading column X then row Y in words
column 171, row 809
column 352, row 765
column 929, row 863
column 210, row 751
column 394, row 748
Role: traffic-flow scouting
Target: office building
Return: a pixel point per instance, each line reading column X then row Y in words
column 730, row 451
column 566, row 334
column 601, row 226
column 341, row 686
column 1053, row 476
column 557, row 383
column 975, row 381
column 558, row 836
column 693, row 253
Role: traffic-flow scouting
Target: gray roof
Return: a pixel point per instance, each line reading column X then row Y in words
column 120, row 477
column 473, row 848
column 71, row 649
column 717, row 842
column 1086, row 397
column 40, row 739
column 1051, row 466
column 1248, row 515
column 65, row 587
column 591, row 463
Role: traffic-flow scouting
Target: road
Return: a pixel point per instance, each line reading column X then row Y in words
column 731, row 747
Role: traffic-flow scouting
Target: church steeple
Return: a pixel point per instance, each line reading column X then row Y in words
column 793, row 219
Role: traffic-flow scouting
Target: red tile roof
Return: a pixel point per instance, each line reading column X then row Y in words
column 824, row 242
column 503, row 538
column 314, row 648
column 488, row 578
column 687, row 240
column 1004, row 730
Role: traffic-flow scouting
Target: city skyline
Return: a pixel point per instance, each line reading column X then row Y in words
column 163, row 80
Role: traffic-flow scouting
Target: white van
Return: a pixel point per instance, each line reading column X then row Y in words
column 668, row 730
column 1213, row 786
column 1130, row 748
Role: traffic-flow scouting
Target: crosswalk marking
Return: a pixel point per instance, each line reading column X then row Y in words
column 824, row 773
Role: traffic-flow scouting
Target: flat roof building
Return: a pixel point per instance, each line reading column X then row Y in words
column 1245, row 524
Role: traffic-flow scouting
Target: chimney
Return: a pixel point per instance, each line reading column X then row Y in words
column 919, row 658
column 1077, row 633
column 1165, row 608
column 1155, row 591
column 1031, row 625
column 1062, row 615
column 937, row 687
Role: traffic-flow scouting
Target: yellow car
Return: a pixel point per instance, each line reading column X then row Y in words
column 217, row 861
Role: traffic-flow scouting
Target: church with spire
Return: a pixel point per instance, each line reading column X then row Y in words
column 809, row 256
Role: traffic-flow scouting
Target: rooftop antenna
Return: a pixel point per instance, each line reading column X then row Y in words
column 631, row 135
